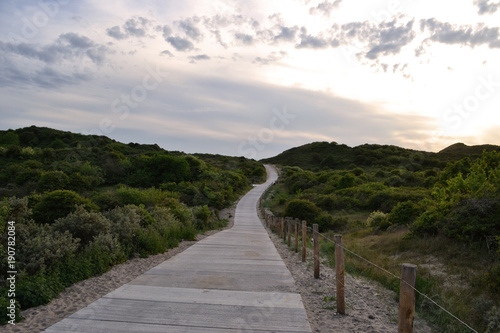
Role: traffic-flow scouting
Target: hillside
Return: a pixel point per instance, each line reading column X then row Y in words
column 439, row 211
column 323, row 156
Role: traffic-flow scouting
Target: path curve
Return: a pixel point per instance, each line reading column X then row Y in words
column 233, row 281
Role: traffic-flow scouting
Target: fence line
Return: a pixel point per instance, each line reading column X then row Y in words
column 284, row 221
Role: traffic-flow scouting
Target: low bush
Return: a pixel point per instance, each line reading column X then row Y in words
column 303, row 210
column 59, row 203
column 378, row 220
column 83, row 225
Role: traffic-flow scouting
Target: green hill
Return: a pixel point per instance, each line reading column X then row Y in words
column 318, row 156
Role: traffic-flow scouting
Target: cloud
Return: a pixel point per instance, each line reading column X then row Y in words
column 50, row 78
column 486, row 7
column 167, row 53
column 466, row 35
column 273, row 57
column 311, row 42
column 68, row 46
column 180, row 44
column 390, row 39
column 166, row 31
column 286, row 34
column 199, row 57
column 190, row 29
column 134, row 27
column 223, row 21
column 218, row 37
column 16, row 75
column 116, row 33
column 383, row 39
column 325, row 8
column 244, row 38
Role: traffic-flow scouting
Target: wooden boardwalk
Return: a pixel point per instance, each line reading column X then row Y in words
column 232, row 281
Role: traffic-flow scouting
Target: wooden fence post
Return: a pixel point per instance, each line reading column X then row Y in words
column 407, row 298
column 296, row 235
column 304, row 240
column 289, row 232
column 285, row 223
column 316, row 250
column 282, row 226
column 339, row 273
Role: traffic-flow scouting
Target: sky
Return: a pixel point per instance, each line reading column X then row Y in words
column 254, row 77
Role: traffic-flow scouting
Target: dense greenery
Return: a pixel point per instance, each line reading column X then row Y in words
column 84, row 203
column 389, row 201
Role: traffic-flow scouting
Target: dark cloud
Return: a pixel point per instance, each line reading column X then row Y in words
column 116, row 33
column 286, row 34
column 68, row 46
column 244, row 38
column 486, row 7
column 218, row 37
column 15, row 74
column 311, row 42
column 180, row 44
column 466, row 35
column 390, row 39
column 325, row 8
column 49, row 78
column 97, row 54
column 134, row 27
column 190, row 29
column 379, row 40
column 166, row 31
column 76, row 41
column 167, row 53
column 198, row 57
column 273, row 57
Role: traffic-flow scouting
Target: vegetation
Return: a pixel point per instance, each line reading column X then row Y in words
column 84, row 203
column 440, row 211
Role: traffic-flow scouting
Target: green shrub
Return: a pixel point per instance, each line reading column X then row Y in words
column 202, row 215
column 83, row 225
column 37, row 290
column 125, row 222
column 347, row 180
column 53, row 180
column 302, row 209
column 59, row 203
column 378, row 220
column 493, row 320
column 404, row 213
column 170, row 227
column 327, row 222
column 394, row 181
column 5, row 311
column 105, row 251
column 106, row 200
column 42, row 247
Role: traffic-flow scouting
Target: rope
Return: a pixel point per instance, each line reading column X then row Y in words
column 398, row 278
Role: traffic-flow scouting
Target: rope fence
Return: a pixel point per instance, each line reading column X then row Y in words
column 285, row 226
